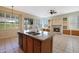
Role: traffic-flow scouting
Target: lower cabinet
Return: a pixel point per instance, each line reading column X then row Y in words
column 33, row 45
column 24, row 43
column 37, row 46
column 20, row 35
column 66, row 32
column 47, row 46
column 29, row 44
column 73, row 32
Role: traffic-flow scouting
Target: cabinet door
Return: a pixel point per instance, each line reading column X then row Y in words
column 20, row 40
column 24, row 43
column 46, row 45
column 29, row 44
column 37, row 46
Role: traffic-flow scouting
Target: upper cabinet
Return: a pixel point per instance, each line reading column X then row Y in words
column 57, row 21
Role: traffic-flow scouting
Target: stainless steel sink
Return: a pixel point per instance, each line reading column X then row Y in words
column 33, row 33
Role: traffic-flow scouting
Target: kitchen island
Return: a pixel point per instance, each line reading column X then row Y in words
column 31, row 42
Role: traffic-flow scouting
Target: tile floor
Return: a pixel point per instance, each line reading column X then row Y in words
column 61, row 44
column 66, row 44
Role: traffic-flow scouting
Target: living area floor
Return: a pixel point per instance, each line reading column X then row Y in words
column 61, row 44
column 66, row 44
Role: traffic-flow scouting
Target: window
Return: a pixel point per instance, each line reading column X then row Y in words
column 2, row 25
column 28, row 22
column 12, row 24
column 1, row 14
column 7, row 15
column 44, row 22
column 73, row 22
column 8, row 23
column 12, row 16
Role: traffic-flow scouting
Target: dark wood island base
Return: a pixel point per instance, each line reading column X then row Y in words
column 31, row 44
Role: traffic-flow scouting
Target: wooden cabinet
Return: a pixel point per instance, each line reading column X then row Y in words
column 43, row 46
column 48, row 30
column 37, row 46
column 24, row 43
column 46, row 45
column 29, row 44
column 20, row 35
column 32, row 45
column 66, row 32
column 75, row 32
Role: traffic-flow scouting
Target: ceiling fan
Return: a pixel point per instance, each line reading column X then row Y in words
column 52, row 12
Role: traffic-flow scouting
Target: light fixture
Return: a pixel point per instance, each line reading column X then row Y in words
column 52, row 12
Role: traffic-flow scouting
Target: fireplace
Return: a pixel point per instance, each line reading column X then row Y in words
column 57, row 28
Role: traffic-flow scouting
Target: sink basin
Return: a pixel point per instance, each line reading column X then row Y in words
column 33, row 33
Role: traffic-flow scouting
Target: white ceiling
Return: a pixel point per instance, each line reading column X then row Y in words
column 43, row 11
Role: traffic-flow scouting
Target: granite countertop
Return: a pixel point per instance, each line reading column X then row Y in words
column 42, row 36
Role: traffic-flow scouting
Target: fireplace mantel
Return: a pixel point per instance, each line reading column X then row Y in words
column 57, row 29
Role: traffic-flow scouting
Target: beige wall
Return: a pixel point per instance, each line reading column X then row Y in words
column 8, row 34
